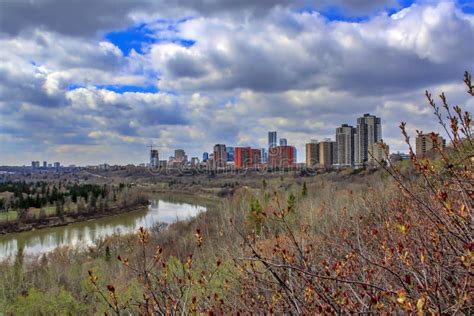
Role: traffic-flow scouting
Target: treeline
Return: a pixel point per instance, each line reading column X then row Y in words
column 62, row 197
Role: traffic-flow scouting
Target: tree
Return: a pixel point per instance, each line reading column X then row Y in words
column 59, row 208
column 304, row 191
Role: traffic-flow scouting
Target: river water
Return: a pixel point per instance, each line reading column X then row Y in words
column 161, row 209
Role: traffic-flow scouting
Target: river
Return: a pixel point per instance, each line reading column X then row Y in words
column 161, row 209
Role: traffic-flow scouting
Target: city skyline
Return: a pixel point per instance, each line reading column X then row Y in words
column 86, row 89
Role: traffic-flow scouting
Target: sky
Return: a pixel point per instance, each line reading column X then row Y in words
column 88, row 82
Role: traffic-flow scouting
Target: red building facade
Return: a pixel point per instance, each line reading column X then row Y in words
column 246, row 157
column 282, row 157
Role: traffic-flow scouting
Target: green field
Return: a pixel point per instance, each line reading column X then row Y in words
column 10, row 215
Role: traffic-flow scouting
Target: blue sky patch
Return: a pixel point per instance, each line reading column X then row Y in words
column 74, row 86
column 135, row 37
column 129, row 88
column 141, row 36
column 467, row 6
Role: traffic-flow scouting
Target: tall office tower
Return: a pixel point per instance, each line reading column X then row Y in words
column 154, row 158
column 272, row 139
column 425, row 143
column 283, row 142
column 345, row 146
column 312, row 153
column 230, row 154
column 220, row 156
column 57, row 165
column 205, row 156
column 326, row 152
column 180, row 156
column 35, row 164
column 369, row 131
column 264, row 155
column 45, row 164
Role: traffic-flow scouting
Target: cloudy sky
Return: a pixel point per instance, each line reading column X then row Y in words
column 86, row 82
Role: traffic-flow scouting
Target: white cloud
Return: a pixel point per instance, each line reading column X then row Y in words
column 254, row 67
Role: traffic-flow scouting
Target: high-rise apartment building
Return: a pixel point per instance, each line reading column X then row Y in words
column 283, row 142
column 368, row 132
column 272, row 139
column 57, row 165
column 312, row 153
column 35, row 164
column 282, row 157
column 45, row 164
column 345, row 146
column 205, row 156
column 220, row 156
column 256, row 155
column 327, row 152
column 242, row 157
column 377, row 153
column 426, row 143
column 246, row 157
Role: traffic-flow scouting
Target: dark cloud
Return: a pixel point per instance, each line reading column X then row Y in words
column 71, row 17
column 88, row 18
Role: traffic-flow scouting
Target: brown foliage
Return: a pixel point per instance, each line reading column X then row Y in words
column 408, row 252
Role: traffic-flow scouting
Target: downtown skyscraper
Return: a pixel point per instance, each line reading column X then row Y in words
column 272, row 139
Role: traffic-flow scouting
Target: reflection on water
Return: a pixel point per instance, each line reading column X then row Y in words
column 85, row 233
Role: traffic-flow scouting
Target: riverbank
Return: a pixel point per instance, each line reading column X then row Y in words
column 67, row 219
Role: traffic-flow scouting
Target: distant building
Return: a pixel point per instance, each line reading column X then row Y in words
column 327, row 152
column 205, row 156
column 57, row 165
column 312, row 153
column 35, row 164
column 230, row 154
column 45, row 164
column 398, row 156
column 246, row 157
column 264, row 155
column 194, row 161
column 50, row 165
column 282, row 157
column 180, row 156
column 377, row 154
column 242, row 157
column 283, row 142
column 345, row 146
column 256, row 157
column 368, row 132
column 426, row 143
column 154, row 158
column 272, row 139
column 220, row 156
column 163, row 164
